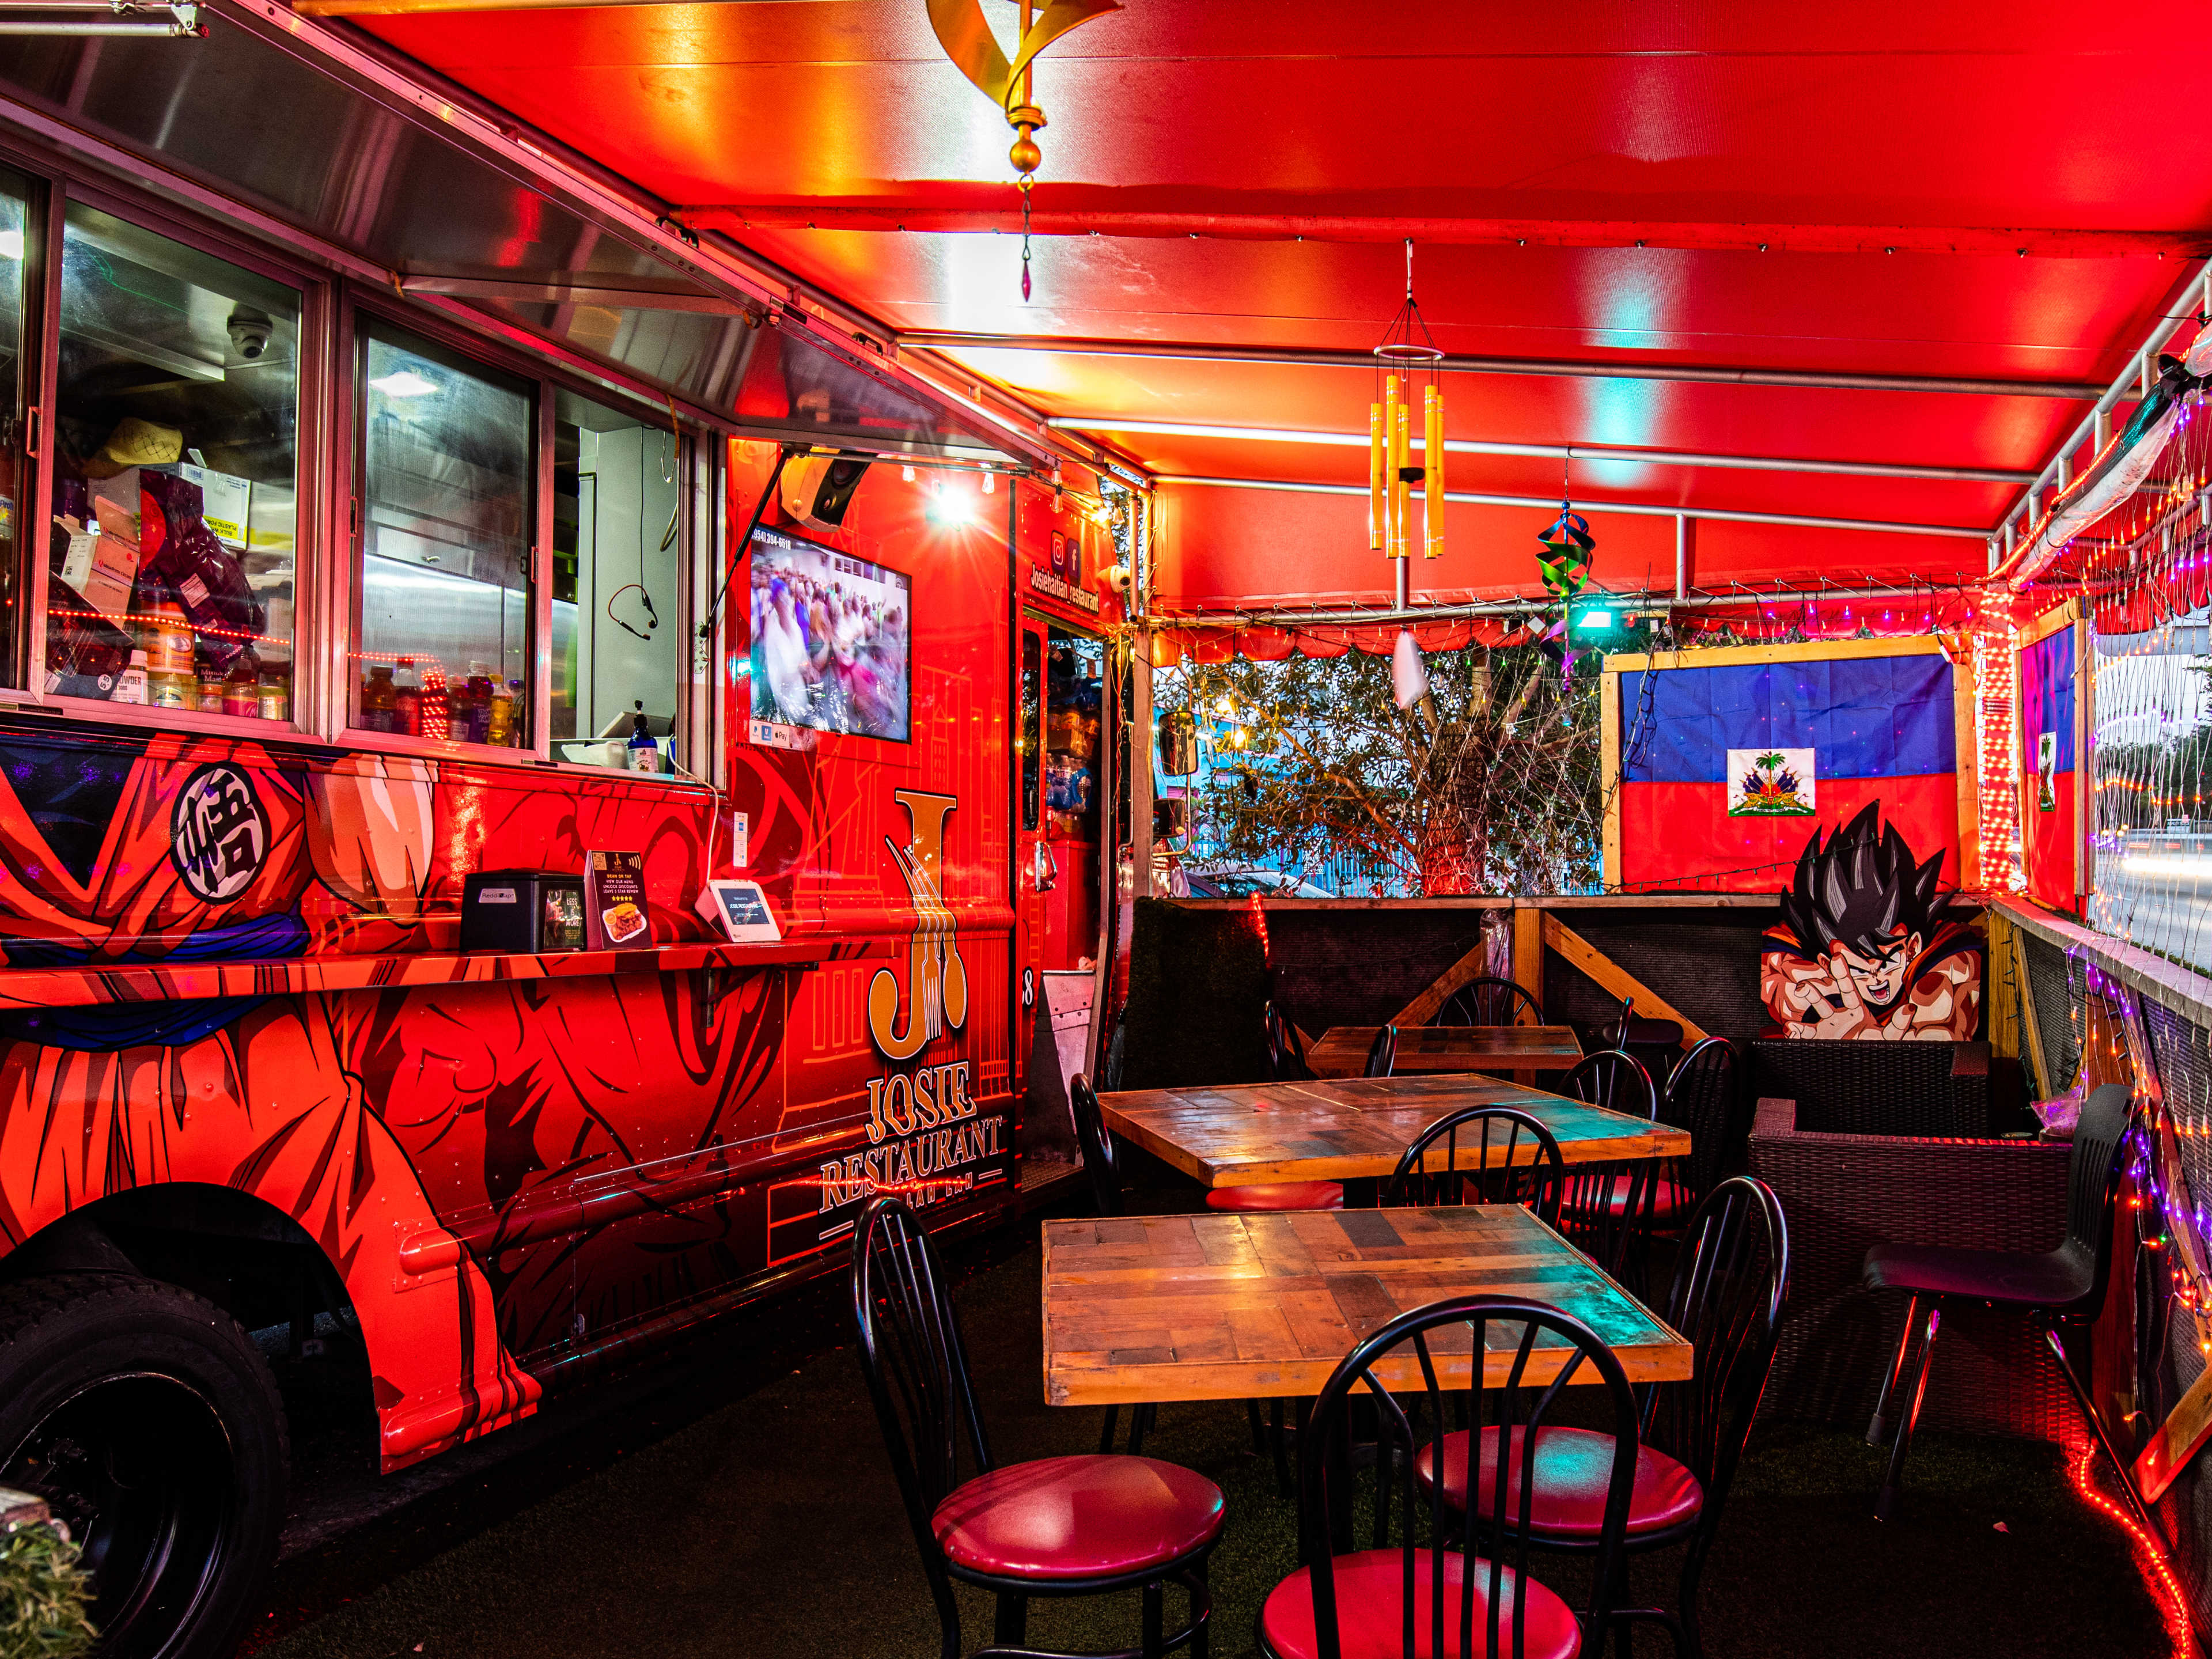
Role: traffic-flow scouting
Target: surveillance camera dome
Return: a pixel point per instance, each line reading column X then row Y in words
column 250, row 332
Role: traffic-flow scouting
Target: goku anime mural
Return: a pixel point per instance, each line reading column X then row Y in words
column 1861, row 953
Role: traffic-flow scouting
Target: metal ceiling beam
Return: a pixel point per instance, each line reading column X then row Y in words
column 1550, row 451
column 1051, row 219
column 1569, row 368
column 1634, row 509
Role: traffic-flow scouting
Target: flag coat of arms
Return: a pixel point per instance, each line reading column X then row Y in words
column 2048, row 835
column 1726, row 768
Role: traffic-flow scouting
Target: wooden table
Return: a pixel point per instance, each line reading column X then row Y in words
column 1262, row 1305
column 1354, row 1129
column 1523, row 1050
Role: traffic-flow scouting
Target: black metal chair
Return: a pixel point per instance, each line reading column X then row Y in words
column 1701, row 1097
column 1607, row 1208
column 2065, row 1286
column 1382, row 1052
column 1730, row 1278
column 1430, row 1595
column 1655, row 1042
column 1500, row 1153
column 1488, row 1001
column 1286, row 1048
column 1085, row 1525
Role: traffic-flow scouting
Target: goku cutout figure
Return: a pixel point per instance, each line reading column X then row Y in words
column 1860, row 951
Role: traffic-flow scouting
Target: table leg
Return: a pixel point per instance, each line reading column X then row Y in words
column 1363, row 1193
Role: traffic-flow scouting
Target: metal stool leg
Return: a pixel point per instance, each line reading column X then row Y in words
column 1154, row 1616
column 1259, row 1429
column 1106, row 1430
column 1887, row 1498
column 1878, row 1430
column 1010, row 1625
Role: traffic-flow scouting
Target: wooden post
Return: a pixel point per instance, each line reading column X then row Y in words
column 1529, row 951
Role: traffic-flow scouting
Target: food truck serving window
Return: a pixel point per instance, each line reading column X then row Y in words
column 618, row 572
column 444, row 582
column 171, row 557
column 14, row 482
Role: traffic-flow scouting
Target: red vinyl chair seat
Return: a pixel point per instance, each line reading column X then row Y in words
column 1078, row 1517
column 1278, row 1195
column 1370, row 1610
column 1671, row 1200
column 1572, row 1468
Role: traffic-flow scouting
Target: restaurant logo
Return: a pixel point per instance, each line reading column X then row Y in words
column 218, row 833
column 936, row 980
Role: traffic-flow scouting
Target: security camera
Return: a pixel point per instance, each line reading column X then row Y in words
column 249, row 332
column 1118, row 577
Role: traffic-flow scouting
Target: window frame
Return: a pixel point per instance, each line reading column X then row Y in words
column 310, row 506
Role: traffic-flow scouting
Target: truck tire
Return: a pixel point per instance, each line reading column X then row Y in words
column 148, row 1420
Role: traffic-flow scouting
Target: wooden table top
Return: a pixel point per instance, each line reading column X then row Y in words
column 1341, row 1051
column 1355, row 1129
column 1262, row 1305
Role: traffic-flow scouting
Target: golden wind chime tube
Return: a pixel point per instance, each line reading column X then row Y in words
column 1432, row 471
column 1402, row 451
column 1378, row 499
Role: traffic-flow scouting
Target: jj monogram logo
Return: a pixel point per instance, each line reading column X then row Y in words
column 936, row 979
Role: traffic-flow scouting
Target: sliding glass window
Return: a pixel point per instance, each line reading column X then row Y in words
column 171, row 563
column 448, row 447
column 14, row 476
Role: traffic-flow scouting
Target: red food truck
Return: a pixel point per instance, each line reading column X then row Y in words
column 393, row 517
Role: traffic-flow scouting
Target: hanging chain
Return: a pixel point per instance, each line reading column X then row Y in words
column 1025, row 235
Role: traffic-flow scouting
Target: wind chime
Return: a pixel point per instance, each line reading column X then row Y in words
column 975, row 51
column 1405, row 363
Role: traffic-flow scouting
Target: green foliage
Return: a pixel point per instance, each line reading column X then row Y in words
column 44, row 1597
column 1491, row 785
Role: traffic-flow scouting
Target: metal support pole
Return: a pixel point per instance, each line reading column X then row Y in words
column 1140, row 766
column 1681, row 556
column 1405, row 580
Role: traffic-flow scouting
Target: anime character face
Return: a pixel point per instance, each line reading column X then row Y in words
column 1881, row 975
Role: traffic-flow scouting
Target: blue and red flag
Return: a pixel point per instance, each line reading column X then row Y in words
column 2048, row 832
column 1878, row 728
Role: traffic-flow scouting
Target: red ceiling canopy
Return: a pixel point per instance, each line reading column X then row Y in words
column 1969, row 219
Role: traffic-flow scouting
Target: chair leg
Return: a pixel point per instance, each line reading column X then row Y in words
column 1888, row 1498
column 2097, row 1428
column 1878, row 1430
column 1010, row 1626
column 1155, row 1612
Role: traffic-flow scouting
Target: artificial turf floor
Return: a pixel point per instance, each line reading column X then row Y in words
column 770, row 1525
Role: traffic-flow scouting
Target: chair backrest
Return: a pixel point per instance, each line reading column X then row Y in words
column 1382, row 1052
column 1286, row 1049
column 1620, row 1031
column 1701, row 1097
column 1399, row 1364
column 1097, row 1147
column 2092, row 1186
column 1481, row 1155
column 1487, row 1001
column 1615, row 1078
column 917, row 1364
column 1731, row 1275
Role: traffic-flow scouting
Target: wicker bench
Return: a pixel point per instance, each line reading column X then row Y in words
column 1842, row 1193
column 1878, row 1087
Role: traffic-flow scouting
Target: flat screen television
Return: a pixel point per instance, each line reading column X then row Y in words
column 831, row 639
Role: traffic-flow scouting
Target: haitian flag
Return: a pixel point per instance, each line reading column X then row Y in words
column 2048, row 834
column 1728, row 770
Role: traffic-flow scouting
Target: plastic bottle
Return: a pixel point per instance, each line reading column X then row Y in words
column 472, row 721
column 644, row 753
column 130, row 685
column 499, row 729
column 275, row 693
column 407, row 700
column 376, row 699
column 212, row 683
column 241, row 691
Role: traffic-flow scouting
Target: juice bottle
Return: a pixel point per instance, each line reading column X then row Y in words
column 274, row 693
column 407, row 700
column 477, row 706
column 130, row 684
column 499, row 731
column 241, row 691
column 376, row 699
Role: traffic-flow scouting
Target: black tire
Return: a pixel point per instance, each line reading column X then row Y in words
column 148, row 1420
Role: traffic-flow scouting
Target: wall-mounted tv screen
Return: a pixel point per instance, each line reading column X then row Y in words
column 831, row 638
